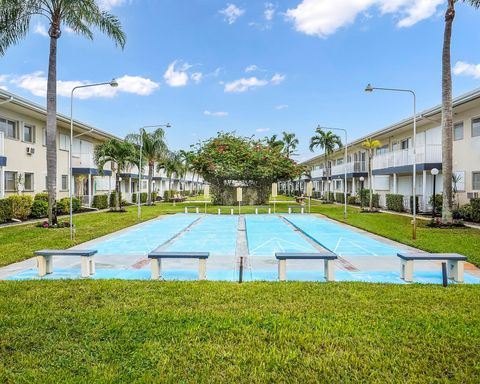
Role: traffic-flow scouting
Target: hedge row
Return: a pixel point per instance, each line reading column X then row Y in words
column 469, row 212
column 394, row 202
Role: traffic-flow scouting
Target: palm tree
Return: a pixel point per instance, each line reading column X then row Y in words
column 121, row 155
column 187, row 158
column 274, row 142
column 81, row 16
column 370, row 145
column 172, row 164
column 290, row 143
column 447, row 111
column 154, row 149
column 328, row 141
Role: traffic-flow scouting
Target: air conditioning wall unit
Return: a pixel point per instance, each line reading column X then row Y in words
column 30, row 150
column 472, row 195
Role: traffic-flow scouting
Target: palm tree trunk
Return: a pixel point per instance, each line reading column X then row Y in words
column 370, row 177
column 447, row 115
column 117, row 193
column 150, row 179
column 328, row 175
column 52, row 132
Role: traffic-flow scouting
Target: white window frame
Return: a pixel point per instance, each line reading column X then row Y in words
column 64, row 178
column 63, row 142
column 7, row 120
column 471, row 128
column 461, row 188
column 32, row 127
column 32, row 181
column 15, row 175
column 456, row 125
column 473, row 179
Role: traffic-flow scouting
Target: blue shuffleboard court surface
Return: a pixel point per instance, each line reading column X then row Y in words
column 269, row 234
column 339, row 239
column 144, row 238
column 214, row 234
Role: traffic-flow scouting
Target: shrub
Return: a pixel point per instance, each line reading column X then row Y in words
column 168, row 194
column 100, row 201
column 21, row 206
column 113, row 195
column 154, row 196
column 365, row 198
column 470, row 212
column 438, row 203
column 143, row 197
column 63, row 205
column 352, row 200
column 411, row 204
column 39, row 209
column 43, row 196
column 329, row 196
column 5, row 211
column 394, row 202
column 341, row 197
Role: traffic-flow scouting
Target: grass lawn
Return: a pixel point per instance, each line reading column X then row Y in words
column 176, row 332
column 460, row 240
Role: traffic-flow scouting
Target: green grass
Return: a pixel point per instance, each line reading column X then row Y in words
column 465, row 241
column 120, row 331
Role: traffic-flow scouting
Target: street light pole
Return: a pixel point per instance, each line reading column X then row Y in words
column 113, row 83
column 345, row 163
column 370, row 88
column 140, row 155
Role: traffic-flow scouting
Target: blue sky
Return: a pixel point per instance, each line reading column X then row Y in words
column 252, row 66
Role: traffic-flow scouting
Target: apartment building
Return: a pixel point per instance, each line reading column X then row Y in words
column 392, row 164
column 23, row 164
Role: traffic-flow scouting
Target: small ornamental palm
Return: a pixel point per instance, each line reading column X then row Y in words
column 78, row 15
column 290, row 143
column 328, row 141
column 370, row 145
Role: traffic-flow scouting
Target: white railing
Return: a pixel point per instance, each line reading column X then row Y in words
column 318, row 173
column 430, row 153
column 2, row 144
column 352, row 167
column 83, row 160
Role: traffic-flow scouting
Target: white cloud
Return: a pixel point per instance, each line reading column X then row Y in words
column 231, row 13
column 109, row 4
column 281, row 106
column 323, row 18
column 40, row 29
column 244, row 84
column 462, row 68
column 215, row 114
column 36, row 83
column 269, row 12
column 251, row 68
column 260, row 130
column 177, row 77
column 277, row 78
column 197, row 77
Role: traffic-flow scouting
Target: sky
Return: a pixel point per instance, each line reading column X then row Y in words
column 253, row 67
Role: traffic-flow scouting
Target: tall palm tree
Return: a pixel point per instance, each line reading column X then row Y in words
column 328, row 141
column 172, row 164
column 274, row 142
column 187, row 157
column 290, row 143
column 81, row 16
column 154, row 150
column 447, row 111
column 121, row 155
column 370, row 145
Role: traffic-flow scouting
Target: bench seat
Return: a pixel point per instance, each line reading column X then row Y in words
column 45, row 260
column 156, row 261
column 327, row 257
column 455, row 264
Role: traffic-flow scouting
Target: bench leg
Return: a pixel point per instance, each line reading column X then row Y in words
column 289, row 210
column 202, row 269
column 455, row 270
column 197, row 210
column 186, row 210
column 329, row 270
column 49, row 261
column 85, row 266
column 256, row 211
column 282, row 270
column 91, row 265
column 407, row 270
column 302, row 210
column 156, row 268
column 269, row 211
column 44, row 265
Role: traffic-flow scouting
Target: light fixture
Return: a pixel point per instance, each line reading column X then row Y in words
column 369, row 88
column 434, row 171
column 114, row 83
column 362, row 179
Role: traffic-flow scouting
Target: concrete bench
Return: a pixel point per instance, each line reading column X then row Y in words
column 45, row 260
column 327, row 257
column 455, row 264
column 197, row 209
column 219, row 211
column 292, row 207
column 156, row 262
column 269, row 210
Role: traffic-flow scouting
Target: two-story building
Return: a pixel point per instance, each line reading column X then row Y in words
column 392, row 163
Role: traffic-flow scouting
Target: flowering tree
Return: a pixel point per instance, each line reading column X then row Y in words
column 228, row 161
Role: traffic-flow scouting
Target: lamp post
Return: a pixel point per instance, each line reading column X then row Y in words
column 113, row 83
column 362, row 179
column 434, row 173
column 140, row 155
column 345, row 162
column 370, row 88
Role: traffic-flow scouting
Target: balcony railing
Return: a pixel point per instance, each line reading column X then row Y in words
column 83, row 160
column 352, row 167
column 318, row 173
column 2, row 144
column 431, row 153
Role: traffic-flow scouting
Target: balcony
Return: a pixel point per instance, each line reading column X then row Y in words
column 3, row 159
column 401, row 160
column 318, row 173
column 354, row 168
column 84, row 164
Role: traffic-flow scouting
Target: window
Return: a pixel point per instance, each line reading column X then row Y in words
column 476, row 181
column 28, row 133
column 405, row 144
column 10, row 181
column 459, row 180
column 395, row 146
column 476, row 127
column 382, row 150
column 458, row 131
column 9, row 127
column 44, row 136
column 64, row 142
column 28, row 182
column 64, row 182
